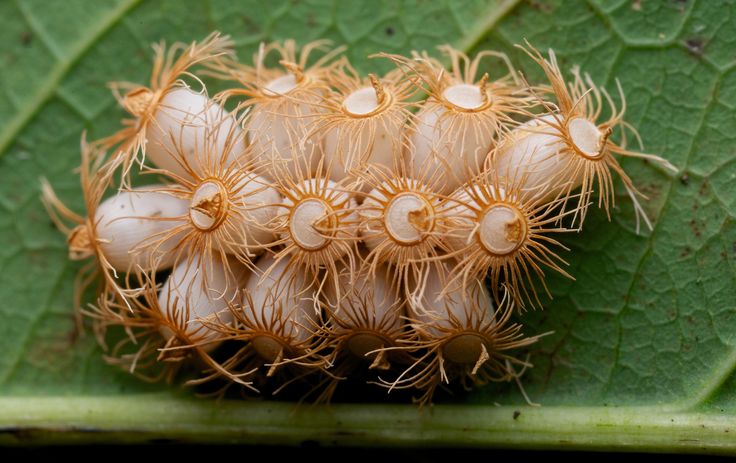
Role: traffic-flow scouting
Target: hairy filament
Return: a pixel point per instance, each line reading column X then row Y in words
column 281, row 102
column 569, row 147
column 168, row 105
column 501, row 230
column 461, row 338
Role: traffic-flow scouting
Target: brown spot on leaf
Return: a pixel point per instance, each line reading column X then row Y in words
column 680, row 5
column 695, row 228
column 544, row 7
column 25, row 37
column 695, row 45
column 250, row 25
column 703, row 188
column 55, row 353
column 651, row 190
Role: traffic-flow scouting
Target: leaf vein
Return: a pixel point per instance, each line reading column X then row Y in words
column 53, row 79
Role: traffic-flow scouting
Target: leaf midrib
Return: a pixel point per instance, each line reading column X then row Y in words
column 144, row 417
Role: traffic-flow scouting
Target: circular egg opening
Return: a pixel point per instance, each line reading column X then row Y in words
column 312, row 223
column 361, row 343
column 408, row 218
column 208, row 207
column 268, row 347
column 464, row 348
column 502, row 229
column 361, row 102
column 464, row 96
column 586, row 136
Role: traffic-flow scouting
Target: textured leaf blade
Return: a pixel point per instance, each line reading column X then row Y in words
column 644, row 339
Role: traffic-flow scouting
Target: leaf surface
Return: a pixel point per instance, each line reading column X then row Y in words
column 643, row 348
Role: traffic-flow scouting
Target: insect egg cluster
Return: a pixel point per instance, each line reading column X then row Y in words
column 311, row 223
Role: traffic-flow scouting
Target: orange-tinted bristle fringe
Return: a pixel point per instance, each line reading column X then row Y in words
column 580, row 103
column 170, row 67
column 331, row 224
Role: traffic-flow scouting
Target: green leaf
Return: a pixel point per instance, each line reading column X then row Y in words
column 644, row 344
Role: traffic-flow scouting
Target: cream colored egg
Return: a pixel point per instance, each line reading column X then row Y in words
column 404, row 219
column 279, row 131
column 443, row 142
column 245, row 211
column 189, row 129
column 324, row 213
column 438, row 308
column 284, row 295
column 371, row 294
column 538, row 156
column 370, row 140
column 130, row 227
column 200, row 289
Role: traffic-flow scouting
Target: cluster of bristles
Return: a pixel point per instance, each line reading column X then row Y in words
column 331, row 222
